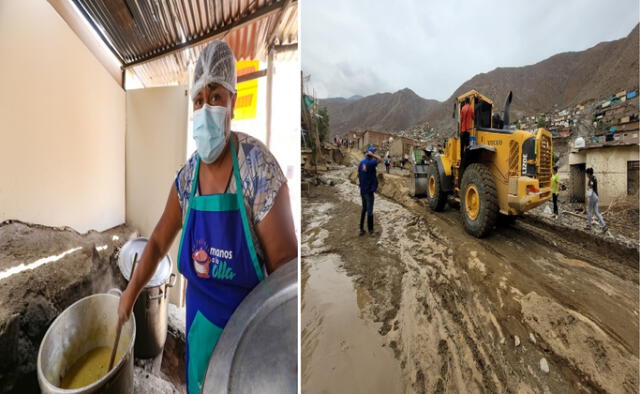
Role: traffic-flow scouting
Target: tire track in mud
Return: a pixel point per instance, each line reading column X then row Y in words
column 445, row 292
column 618, row 264
column 388, row 285
column 613, row 307
column 450, row 317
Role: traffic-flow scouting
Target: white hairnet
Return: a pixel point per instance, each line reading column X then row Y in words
column 216, row 64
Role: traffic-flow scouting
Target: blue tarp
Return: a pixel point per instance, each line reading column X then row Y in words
column 631, row 94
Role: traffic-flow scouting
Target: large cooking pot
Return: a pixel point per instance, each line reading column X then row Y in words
column 150, row 309
column 88, row 323
column 258, row 349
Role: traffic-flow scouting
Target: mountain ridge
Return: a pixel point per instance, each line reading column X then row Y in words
column 559, row 81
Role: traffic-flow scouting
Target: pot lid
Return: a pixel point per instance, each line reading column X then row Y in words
column 258, row 349
column 126, row 258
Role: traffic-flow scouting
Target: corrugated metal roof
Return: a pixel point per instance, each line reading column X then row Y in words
column 158, row 39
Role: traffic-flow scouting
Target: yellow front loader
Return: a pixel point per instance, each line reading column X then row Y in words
column 502, row 172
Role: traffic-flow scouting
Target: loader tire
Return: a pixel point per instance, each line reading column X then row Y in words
column 478, row 200
column 436, row 197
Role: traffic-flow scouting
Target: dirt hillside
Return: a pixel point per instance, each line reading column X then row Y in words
column 562, row 80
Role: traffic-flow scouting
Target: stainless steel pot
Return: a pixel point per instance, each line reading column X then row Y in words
column 150, row 309
column 87, row 324
column 258, row 349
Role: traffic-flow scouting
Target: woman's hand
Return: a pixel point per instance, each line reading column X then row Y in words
column 156, row 248
column 127, row 299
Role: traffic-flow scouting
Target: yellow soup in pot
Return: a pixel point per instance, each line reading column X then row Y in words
column 89, row 368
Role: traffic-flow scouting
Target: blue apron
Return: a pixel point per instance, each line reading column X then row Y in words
column 218, row 258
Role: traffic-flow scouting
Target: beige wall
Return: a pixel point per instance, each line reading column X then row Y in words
column 375, row 138
column 156, row 149
column 62, row 123
column 397, row 148
column 83, row 30
column 610, row 168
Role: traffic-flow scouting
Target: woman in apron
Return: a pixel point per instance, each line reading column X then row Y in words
column 232, row 203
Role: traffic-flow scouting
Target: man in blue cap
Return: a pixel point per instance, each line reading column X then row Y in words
column 368, row 185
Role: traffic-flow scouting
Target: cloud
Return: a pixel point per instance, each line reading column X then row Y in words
column 365, row 47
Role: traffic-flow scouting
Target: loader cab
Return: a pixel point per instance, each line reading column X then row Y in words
column 482, row 114
column 482, row 110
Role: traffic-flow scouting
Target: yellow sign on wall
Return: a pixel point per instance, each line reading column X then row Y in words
column 247, row 97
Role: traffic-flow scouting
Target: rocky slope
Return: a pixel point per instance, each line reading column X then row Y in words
column 382, row 111
column 562, row 80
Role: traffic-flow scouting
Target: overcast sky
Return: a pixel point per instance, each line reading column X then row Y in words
column 364, row 46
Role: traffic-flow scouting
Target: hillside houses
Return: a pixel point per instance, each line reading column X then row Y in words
column 397, row 145
column 601, row 134
column 616, row 119
column 605, row 121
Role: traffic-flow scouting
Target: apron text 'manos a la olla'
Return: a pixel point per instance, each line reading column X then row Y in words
column 218, row 258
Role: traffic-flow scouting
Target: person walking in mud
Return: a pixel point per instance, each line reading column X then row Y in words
column 593, row 200
column 368, row 186
column 387, row 163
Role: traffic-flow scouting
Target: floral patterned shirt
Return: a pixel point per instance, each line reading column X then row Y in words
column 261, row 178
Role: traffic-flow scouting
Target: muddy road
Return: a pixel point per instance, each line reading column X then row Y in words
column 423, row 307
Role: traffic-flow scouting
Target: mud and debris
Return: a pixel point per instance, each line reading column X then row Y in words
column 173, row 356
column 531, row 308
column 621, row 217
column 148, row 378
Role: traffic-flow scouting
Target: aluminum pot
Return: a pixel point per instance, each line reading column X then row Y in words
column 150, row 309
column 88, row 323
column 258, row 349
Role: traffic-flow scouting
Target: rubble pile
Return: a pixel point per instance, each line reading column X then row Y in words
column 148, row 379
column 623, row 213
column 620, row 217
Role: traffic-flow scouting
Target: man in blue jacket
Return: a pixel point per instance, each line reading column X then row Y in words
column 368, row 185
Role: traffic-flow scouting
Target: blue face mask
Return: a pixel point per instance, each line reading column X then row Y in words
column 208, row 131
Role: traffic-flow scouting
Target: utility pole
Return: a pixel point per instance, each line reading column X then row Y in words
column 309, row 115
